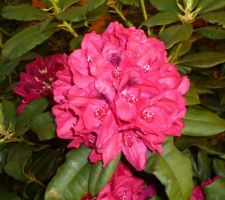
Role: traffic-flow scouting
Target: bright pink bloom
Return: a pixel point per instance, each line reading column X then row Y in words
column 36, row 81
column 123, row 185
column 119, row 92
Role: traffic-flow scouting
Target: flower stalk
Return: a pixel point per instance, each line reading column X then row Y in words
column 143, row 7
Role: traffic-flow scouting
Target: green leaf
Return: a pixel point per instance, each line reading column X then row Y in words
column 215, row 191
column 203, row 163
column 75, row 42
column 192, row 97
column 219, row 167
column 71, row 179
column 9, row 113
column 33, row 109
column 174, row 170
column 43, row 125
column 130, row 2
column 23, row 13
column 7, row 67
column 165, row 5
column 67, row 3
column 175, row 34
column 215, row 17
column 16, row 160
column 203, row 59
column 161, row 18
column 210, row 5
column 8, row 195
column 74, row 14
column 202, row 123
column 212, row 32
column 92, row 5
column 27, row 39
column 99, row 176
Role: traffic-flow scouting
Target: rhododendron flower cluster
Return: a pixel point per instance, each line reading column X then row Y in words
column 119, row 93
column 40, row 74
column 123, row 185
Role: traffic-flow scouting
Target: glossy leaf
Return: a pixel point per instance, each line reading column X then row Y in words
column 74, row 14
column 204, row 169
column 203, row 59
column 71, row 179
column 75, row 42
column 24, row 13
column 212, row 32
column 165, row 5
column 27, row 39
column 219, row 167
column 173, row 170
column 175, row 34
column 210, row 5
column 43, row 125
column 215, row 17
column 7, row 67
column 202, row 123
column 33, row 109
column 215, row 191
column 161, row 18
column 17, row 158
column 99, row 176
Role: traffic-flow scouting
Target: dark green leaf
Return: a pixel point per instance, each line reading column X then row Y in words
column 215, row 191
column 71, row 179
column 68, row 3
column 92, row 5
column 204, row 169
column 202, row 123
column 165, row 5
column 99, row 176
column 215, row 17
column 174, row 170
column 74, row 14
column 96, row 13
column 4, row 195
column 210, row 5
column 33, row 109
column 7, row 67
column 27, row 39
column 219, row 167
column 162, row 18
column 212, row 32
column 203, row 59
column 175, row 34
column 24, row 13
column 43, row 125
column 9, row 113
column 16, row 160
column 130, row 2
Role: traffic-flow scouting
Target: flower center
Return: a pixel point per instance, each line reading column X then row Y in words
column 130, row 97
column 123, row 196
column 147, row 114
column 146, row 68
column 43, row 71
column 114, row 59
column 100, row 112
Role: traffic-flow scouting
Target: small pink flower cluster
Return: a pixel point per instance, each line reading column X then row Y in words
column 123, row 185
column 39, row 76
column 119, row 93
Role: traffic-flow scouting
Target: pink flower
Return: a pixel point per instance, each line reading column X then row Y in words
column 37, row 80
column 123, row 185
column 119, row 92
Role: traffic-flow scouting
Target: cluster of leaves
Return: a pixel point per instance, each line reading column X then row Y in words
column 36, row 165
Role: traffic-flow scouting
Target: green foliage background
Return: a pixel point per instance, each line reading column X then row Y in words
column 34, row 164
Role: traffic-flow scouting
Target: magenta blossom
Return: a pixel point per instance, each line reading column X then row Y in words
column 119, row 93
column 37, row 80
column 123, row 185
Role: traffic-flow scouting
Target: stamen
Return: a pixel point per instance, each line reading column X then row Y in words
column 100, row 112
column 146, row 68
column 127, row 139
column 147, row 114
column 37, row 79
column 117, row 72
column 43, row 71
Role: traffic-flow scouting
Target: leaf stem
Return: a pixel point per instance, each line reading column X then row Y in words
column 145, row 15
column 118, row 11
column 65, row 24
